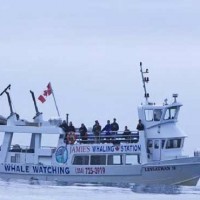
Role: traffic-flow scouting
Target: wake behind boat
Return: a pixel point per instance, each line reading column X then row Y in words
column 152, row 155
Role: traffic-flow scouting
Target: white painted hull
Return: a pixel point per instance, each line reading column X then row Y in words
column 176, row 174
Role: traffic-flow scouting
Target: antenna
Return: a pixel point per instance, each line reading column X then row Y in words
column 144, row 81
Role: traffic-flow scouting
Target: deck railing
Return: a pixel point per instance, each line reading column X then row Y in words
column 26, row 149
column 104, row 137
column 113, row 137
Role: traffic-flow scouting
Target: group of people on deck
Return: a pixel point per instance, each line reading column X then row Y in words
column 109, row 129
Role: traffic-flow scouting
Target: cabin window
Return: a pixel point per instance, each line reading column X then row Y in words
column 114, row 160
column 81, row 160
column 15, row 158
column 132, row 159
column 170, row 113
column 163, row 144
column 149, row 115
column 149, row 146
column 157, row 113
column 149, row 143
column 153, row 115
column 156, row 144
column 173, row 143
column 98, row 160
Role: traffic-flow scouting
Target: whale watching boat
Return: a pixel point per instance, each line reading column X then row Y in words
column 150, row 156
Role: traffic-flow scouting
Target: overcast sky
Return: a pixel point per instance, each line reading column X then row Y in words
column 90, row 51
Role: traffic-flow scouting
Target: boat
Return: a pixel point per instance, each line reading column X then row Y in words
column 150, row 156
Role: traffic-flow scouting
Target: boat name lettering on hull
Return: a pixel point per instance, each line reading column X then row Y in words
column 36, row 169
column 123, row 148
column 129, row 148
column 159, row 168
column 79, row 149
column 103, row 148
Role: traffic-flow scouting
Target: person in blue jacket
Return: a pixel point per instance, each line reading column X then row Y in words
column 107, row 130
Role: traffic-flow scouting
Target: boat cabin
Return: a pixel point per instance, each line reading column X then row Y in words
column 164, row 139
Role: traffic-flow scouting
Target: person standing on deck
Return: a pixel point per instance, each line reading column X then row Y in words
column 96, row 131
column 71, row 137
column 83, row 132
column 114, row 127
column 71, row 128
column 140, row 126
column 107, row 130
column 64, row 126
column 127, row 134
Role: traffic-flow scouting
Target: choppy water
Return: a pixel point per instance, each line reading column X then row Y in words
column 23, row 190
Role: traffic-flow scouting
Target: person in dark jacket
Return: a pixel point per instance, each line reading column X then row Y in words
column 107, row 130
column 140, row 126
column 96, row 131
column 64, row 126
column 127, row 133
column 71, row 128
column 83, row 132
column 114, row 127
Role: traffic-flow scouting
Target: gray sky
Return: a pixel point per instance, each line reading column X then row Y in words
column 90, row 51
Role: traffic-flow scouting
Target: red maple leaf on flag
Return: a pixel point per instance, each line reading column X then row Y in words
column 117, row 148
column 46, row 93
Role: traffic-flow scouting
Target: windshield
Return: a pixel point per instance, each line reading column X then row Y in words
column 170, row 113
column 153, row 115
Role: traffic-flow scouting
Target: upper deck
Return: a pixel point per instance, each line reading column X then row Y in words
column 117, row 143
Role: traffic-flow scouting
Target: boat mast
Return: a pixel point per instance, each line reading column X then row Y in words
column 7, row 88
column 35, row 105
column 8, row 96
column 144, row 81
column 10, row 103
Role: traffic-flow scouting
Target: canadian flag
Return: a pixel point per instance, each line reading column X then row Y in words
column 46, row 93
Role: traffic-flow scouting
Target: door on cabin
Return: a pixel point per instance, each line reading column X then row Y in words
column 156, row 149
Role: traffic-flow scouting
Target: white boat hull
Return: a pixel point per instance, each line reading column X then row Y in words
column 165, row 174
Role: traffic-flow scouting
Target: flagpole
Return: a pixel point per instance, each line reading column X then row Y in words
column 54, row 100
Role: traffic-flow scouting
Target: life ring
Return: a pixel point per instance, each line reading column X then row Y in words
column 71, row 137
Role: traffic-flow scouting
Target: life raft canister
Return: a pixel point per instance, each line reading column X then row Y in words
column 71, row 137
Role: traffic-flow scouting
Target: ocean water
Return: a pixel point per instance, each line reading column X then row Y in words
column 24, row 190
